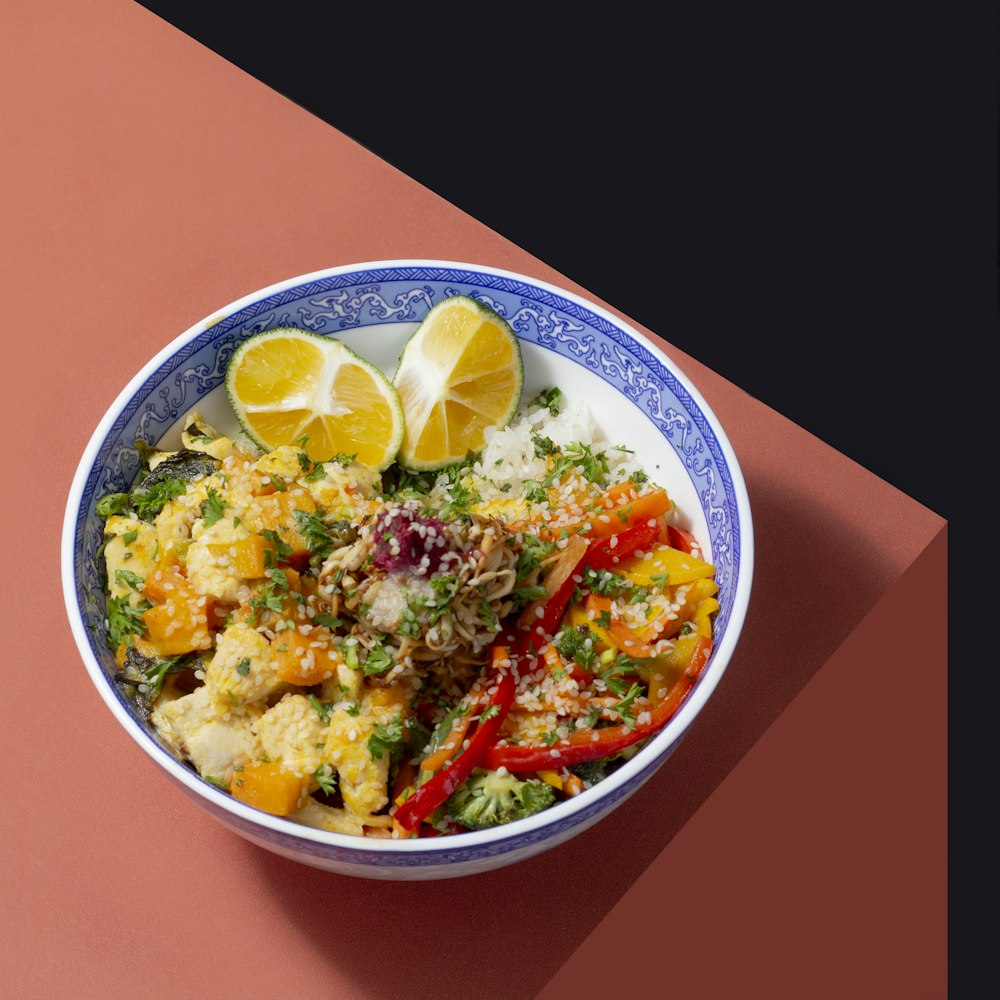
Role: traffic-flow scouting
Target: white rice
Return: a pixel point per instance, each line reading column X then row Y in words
column 509, row 460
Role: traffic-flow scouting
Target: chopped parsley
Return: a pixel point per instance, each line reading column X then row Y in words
column 386, row 739
column 534, row 552
column 327, row 620
column 488, row 617
column 147, row 503
column 213, row 507
column 124, row 578
column 319, row 470
column 461, row 498
column 549, row 399
column 604, row 582
column 534, row 492
column 614, row 676
column 125, row 620
column 315, row 532
column 281, row 548
column 378, row 661
column 155, row 676
column 594, row 466
column 322, row 709
column 543, row 446
column 113, row 503
column 625, row 706
column 521, row 597
column 326, row 779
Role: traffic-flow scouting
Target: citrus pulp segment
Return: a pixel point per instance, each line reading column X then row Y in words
column 287, row 383
column 460, row 373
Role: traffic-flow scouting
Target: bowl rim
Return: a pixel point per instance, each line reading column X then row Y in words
column 644, row 763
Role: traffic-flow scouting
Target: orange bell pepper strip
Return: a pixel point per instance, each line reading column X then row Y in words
column 610, row 521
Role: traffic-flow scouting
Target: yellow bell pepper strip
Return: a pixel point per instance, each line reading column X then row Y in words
column 666, row 627
column 592, row 744
column 434, row 792
column 664, row 561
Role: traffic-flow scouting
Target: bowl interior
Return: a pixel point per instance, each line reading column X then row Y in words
column 637, row 401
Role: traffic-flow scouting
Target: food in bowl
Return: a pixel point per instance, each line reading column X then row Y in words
column 401, row 654
column 636, row 396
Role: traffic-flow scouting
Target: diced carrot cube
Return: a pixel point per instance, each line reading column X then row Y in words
column 388, row 697
column 265, row 785
column 305, row 659
column 249, row 559
column 276, row 512
column 176, row 628
column 166, row 583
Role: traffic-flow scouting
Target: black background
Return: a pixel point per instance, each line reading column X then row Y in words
column 803, row 203
column 804, row 200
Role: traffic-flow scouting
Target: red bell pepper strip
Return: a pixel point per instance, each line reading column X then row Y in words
column 435, row 791
column 552, row 613
column 680, row 539
column 602, row 555
column 593, row 744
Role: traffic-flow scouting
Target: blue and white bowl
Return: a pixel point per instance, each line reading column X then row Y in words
column 638, row 398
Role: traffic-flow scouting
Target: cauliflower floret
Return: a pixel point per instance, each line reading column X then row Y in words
column 361, row 777
column 130, row 547
column 242, row 671
column 215, row 744
column 292, row 733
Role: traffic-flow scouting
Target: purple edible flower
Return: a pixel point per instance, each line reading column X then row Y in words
column 403, row 538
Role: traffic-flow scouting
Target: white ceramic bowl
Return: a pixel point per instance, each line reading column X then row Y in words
column 637, row 396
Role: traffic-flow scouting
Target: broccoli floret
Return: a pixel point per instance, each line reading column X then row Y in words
column 488, row 799
column 577, row 644
column 592, row 771
column 597, row 770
